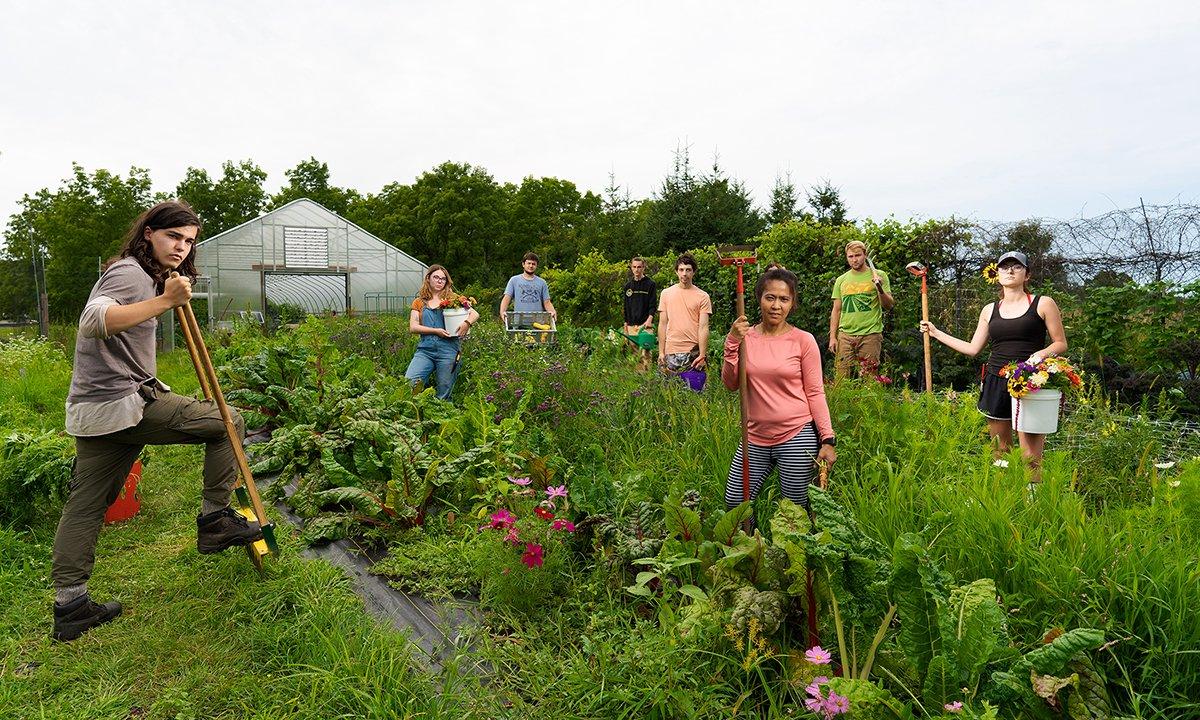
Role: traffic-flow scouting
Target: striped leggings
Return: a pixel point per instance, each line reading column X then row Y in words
column 796, row 460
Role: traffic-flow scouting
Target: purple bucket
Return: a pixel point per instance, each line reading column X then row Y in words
column 695, row 379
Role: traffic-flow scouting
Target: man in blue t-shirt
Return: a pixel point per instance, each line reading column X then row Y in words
column 527, row 292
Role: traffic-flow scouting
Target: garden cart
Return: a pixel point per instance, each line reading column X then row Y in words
column 249, row 503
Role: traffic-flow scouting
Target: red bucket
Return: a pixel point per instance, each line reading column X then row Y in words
column 128, row 502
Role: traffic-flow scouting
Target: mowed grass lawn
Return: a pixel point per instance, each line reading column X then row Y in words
column 201, row 636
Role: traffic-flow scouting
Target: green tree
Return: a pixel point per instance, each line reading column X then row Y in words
column 784, row 201
column 18, row 297
column 693, row 211
column 453, row 215
column 826, row 203
column 551, row 217
column 75, row 227
column 310, row 179
column 237, row 197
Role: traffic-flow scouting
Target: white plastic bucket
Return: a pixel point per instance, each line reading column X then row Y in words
column 454, row 317
column 1037, row 412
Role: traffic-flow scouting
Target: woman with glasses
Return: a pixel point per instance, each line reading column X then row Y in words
column 1015, row 328
column 437, row 350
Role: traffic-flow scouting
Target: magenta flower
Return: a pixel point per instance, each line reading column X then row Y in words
column 533, row 555
column 561, row 524
column 522, row 481
column 836, row 704
column 954, row 707
column 559, row 491
column 817, row 655
column 500, row 519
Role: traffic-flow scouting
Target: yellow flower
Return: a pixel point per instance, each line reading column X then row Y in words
column 991, row 273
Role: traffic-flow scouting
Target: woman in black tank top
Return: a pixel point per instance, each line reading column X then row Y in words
column 1014, row 328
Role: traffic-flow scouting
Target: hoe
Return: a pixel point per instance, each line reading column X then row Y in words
column 922, row 272
column 739, row 256
column 250, row 503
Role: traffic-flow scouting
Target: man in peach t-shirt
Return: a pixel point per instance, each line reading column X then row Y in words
column 683, row 311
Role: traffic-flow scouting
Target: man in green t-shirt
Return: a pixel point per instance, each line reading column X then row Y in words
column 860, row 295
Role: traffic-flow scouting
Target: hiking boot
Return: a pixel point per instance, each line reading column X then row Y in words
column 224, row 529
column 80, row 615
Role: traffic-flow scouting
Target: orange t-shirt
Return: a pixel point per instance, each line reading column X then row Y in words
column 785, row 383
column 684, row 309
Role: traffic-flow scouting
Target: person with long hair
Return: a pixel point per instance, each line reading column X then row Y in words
column 1015, row 328
column 438, row 350
column 788, row 418
column 117, row 405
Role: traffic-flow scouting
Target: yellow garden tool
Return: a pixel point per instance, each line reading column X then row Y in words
column 249, row 503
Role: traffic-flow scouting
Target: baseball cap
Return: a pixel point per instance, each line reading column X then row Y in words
column 1014, row 255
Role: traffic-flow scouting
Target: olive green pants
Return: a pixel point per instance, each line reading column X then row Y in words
column 102, row 463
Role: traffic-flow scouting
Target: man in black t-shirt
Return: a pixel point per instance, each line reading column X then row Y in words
column 641, row 300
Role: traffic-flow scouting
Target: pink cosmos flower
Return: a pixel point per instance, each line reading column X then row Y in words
column 500, row 519
column 533, row 555
column 817, row 655
column 556, row 491
column 511, row 535
column 814, row 688
column 954, row 707
column 561, row 524
column 522, row 481
column 836, row 704
column 815, row 704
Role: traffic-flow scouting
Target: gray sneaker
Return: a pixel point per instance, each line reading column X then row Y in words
column 223, row 529
column 80, row 615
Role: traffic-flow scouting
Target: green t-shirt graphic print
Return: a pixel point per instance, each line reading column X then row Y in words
column 861, row 312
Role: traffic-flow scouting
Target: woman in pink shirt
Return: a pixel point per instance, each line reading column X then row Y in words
column 788, row 418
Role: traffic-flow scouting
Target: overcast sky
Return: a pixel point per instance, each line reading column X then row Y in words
column 919, row 109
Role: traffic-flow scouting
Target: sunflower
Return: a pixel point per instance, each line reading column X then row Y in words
column 991, row 273
column 1018, row 387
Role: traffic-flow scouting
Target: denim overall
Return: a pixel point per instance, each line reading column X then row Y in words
column 435, row 354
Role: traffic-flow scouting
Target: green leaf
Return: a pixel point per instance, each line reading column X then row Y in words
column 730, row 523
column 645, row 576
column 639, row 590
column 975, row 624
column 941, row 682
column 868, row 700
column 916, row 602
column 366, row 503
column 1090, row 701
column 694, row 593
column 1053, row 658
column 680, row 521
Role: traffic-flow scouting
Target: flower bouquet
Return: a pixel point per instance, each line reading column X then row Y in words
column 1037, row 391
column 457, row 308
column 454, row 300
column 1052, row 373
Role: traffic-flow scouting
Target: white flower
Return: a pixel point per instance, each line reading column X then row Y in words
column 1039, row 379
column 1052, row 368
column 1165, row 466
column 999, row 463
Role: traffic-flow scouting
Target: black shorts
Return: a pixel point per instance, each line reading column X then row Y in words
column 994, row 400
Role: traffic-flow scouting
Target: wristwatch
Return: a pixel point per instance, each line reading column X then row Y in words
column 830, row 441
